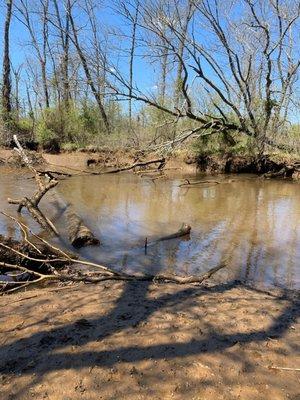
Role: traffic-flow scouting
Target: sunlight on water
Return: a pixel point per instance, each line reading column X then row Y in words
column 253, row 223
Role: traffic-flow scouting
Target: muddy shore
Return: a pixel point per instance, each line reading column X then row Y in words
column 185, row 162
column 148, row 341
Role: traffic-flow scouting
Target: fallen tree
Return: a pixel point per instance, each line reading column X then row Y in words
column 188, row 183
column 79, row 234
column 53, row 264
column 40, row 261
column 32, row 204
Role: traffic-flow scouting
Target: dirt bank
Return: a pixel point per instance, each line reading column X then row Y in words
column 185, row 162
column 146, row 341
column 248, row 164
column 91, row 160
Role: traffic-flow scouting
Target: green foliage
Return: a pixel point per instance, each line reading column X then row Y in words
column 221, row 144
column 24, row 125
column 69, row 146
column 44, row 130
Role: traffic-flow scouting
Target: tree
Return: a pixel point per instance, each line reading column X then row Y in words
column 6, row 84
column 64, row 35
column 38, row 42
column 87, row 70
column 183, row 20
column 244, row 56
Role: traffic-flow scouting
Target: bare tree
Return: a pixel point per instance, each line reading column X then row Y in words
column 183, row 20
column 87, row 70
column 63, row 23
column 246, row 63
column 6, row 84
column 24, row 15
column 131, row 59
column 17, row 77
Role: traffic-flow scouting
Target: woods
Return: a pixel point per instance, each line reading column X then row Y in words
column 160, row 73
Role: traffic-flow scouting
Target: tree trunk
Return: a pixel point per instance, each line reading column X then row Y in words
column 132, row 50
column 6, row 88
column 87, row 72
column 178, row 82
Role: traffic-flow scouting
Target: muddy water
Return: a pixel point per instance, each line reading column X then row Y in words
column 255, row 224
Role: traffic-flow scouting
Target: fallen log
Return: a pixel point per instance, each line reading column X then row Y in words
column 185, row 229
column 160, row 161
column 79, row 234
column 32, row 204
column 188, row 183
column 285, row 172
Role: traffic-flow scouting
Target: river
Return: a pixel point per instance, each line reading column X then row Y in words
column 253, row 223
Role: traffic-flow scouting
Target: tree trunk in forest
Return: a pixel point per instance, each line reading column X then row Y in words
column 87, row 72
column 6, row 85
column 178, row 81
column 132, row 51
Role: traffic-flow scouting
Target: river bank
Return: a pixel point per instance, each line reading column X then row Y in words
column 184, row 161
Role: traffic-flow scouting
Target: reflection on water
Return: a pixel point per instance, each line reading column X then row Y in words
column 253, row 223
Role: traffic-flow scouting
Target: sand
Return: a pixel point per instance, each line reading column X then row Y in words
column 149, row 341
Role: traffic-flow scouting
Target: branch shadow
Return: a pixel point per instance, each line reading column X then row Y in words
column 132, row 309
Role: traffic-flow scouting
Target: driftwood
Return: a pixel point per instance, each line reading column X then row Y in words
column 32, row 204
column 285, row 172
column 185, row 229
column 188, row 183
column 160, row 161
column 79, row 234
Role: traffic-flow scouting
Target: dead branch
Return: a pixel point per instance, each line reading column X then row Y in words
column 63, row 260
column 32, row 204
column 184, row 230
column 284, row 368
column 286, row 172
column 79, row 234
column 188, row 183
column 160, row 161
column 163, row 278
column 37, row 276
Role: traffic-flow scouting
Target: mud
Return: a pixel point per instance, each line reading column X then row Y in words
column 148, row 341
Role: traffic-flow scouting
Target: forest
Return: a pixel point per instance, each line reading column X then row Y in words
column 152, row 74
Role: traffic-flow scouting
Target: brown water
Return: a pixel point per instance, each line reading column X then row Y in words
column 253, row 223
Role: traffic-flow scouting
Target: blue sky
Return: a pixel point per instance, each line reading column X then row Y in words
column 20, row 47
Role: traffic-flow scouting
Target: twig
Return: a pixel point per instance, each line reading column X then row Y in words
column 50, row 246
column 284, row 368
